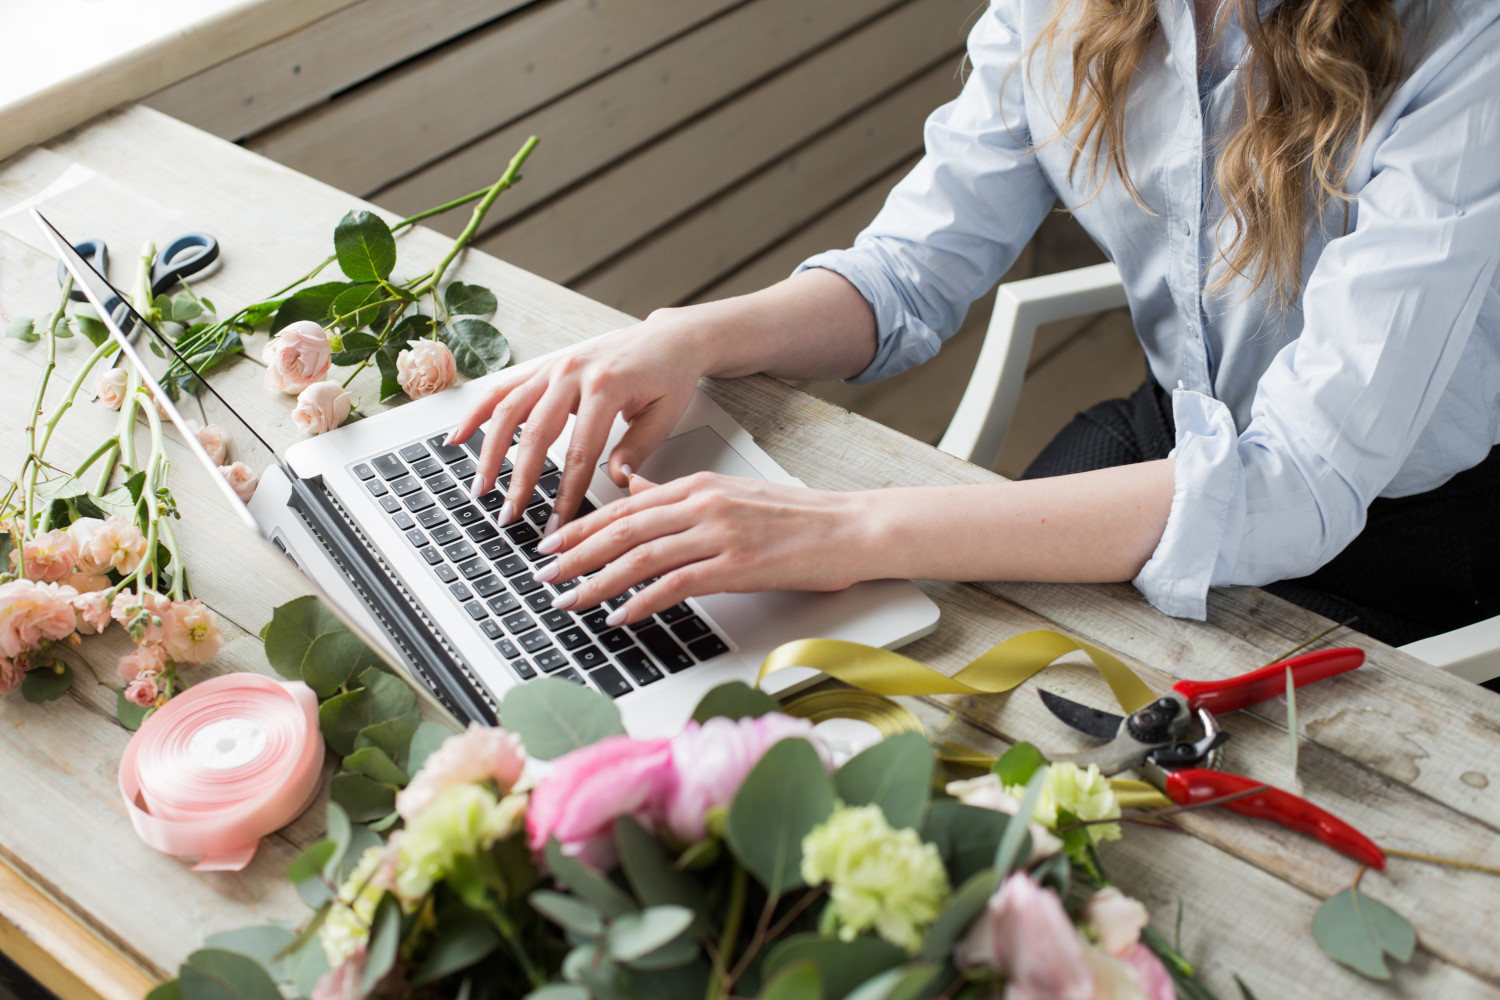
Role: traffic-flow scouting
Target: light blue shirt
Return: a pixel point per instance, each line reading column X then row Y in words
column 1383, row 381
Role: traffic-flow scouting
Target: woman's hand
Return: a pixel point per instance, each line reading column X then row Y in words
column 708, row 534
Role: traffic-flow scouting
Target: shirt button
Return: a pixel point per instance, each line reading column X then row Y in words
column 1187, row 228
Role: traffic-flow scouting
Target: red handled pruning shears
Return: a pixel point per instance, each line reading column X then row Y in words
column 1151, row 740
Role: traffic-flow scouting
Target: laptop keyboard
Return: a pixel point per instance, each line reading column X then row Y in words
column 424, row 488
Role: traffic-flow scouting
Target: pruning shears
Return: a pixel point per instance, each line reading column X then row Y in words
column 1154, row 741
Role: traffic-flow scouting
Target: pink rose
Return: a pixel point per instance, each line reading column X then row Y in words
column 710, row 761
column 588, row 789
column 343, row 983
column 11, row 675
column 321, row 407
column 297, row 357
column 142, row 690
column 192, row 633
column 1115, row 919
column 50, row 556
column 31, row 613
column 148, row 660
column 1026, row 934
column 212, row 440
column 93, row 611
column 144, row 615
column 425, row 368
column 1152, row 978
column 112, row 544
column 241, row 479
column 111, row 386
column 480, row 753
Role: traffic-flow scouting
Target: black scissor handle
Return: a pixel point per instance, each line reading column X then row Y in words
column 93, row 251
column 187, row 254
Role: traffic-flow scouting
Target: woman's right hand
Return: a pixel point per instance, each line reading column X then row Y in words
column 646, row 373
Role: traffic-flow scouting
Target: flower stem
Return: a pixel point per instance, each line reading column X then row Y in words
column 179, row 591
column 720, row 982
column 108, row 444
column 507, row 929
column 33, row 455
column 506, row 180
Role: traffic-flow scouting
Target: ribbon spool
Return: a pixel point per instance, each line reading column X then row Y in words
column 852, row 721
column 221, row 765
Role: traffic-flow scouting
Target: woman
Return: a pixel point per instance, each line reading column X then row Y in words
column 1303, row 200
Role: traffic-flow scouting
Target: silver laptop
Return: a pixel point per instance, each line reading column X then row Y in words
column 379, row 514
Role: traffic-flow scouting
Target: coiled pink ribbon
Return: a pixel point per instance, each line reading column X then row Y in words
column 221, row 765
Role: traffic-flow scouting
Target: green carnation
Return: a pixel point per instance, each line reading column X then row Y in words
column 460, row 821
column 347, row 925
column 879, row 877
column 1083, row 794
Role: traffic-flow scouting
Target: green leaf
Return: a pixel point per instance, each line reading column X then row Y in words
column 843, row 964
column 413, row 327
column 1245, row 993
column 478, row 348
column 649, row 870
column 60, row 488
column 263, row 944
column 966, row 836
column 586, row 882
column 23, row 328
column 185, row 308
column 91, row 327
column 735, row 700
column 169, row 990
column 1291, row 727
column 781, row 800
column 1015, row 842
column 333, row 658
column 796, row 982
column 392, row 736
column 1359, row 931
column 674, row 954
column 559, row 991
column 381, row 698
column 47, row 683
column 291, row 632
column 305, row 964
column 358, row 345
column 129, row 713
column 958, row 913
column 905, row 982
column 636, row 934
column 362, row 798
column 1016, row 765
column 314, row 302
column 894, row 774
column 116, row 501
column 357, row 306
column 340, row 831
column 553, row 716
column 385, row 938
column 211, row 974
column 460, row 943
column 365, row 248
column 373, row 763
column 311, row 861
column 385, row 363
column 424, row 740
column 469, row 300
column 568, row 912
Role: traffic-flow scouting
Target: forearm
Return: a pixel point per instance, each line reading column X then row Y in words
column 1092, row 527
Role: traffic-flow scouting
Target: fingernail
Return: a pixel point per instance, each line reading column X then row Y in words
column 626, row 471
column 565, row 601
column 507, row 513
column 547, row 574
column 478, row 488
column 552, row 523
column 549, row 545
column 615, row 617
column 448, row 441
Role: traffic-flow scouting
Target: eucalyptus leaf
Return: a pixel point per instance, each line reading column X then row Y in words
column 292, row 629
column 374, row 764
column 47, row 683
column 673, row 955
column 382, row 697
column 306, row 965
column 734, row 700
column 843, row 965
column 459, row 943
column 583, row 880
column 264, row 944
column 314, row 302
column 365, row 248
column 559, row 991
column 905, row 982
column 169, row 990
column 1015, row 842
column 796, row 982
column 478, row 348
column 310, row 862
column 960, row 910
column 965, row 836
column 385, row 938
column 362, row 798
column 780, row 801
column 469, row 300
column 426, row 738
column 568, row 912
column 211, row 974
column 23, row 328
column 553, row 716
column 392, row 736
column 339, row 830
column 1359, row 931
column 636, row 934
column 649, row 870
column 333, row 658
column 894, row 774
column 1016, row 765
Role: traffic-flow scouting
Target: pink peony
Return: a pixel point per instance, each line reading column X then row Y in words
column 150, row 660
column 142, row 690
column 50, row 556
column 192, row 633
column 111, row 386
column 711, row 760
column 480, row 753
column 321, row 407
column 31, row 613
column 297, row 357
column 425, row 367
column 241, row 479
column 212, row 440
column 115, row 543
column 343, row 983
column 11, row 675
column 1027, row 935
column 588, row 789
column 144, row 614
column 93, row 611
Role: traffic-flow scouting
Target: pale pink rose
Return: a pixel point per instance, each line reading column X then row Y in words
column 115, row 544
column 343, row 983
column 11, row 675
column 986, row 792
column 321, row 407
column 31, row 613
column 425, row 367
column 1115, row 919
column 1151, row 977
column 111, row 386
column 711, row 760
column 241, row 479
column 192, row 633
column 50, row 556
column 1026, row 934
column 85, row 583
column 144, row 614
column 150, row 660
column 93, row 611
column 479, row 753
column 297, row 357
column 212, row 440
column 588, row 789
column 142, row 690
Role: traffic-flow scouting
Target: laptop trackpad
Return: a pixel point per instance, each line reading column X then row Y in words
column 701, row 449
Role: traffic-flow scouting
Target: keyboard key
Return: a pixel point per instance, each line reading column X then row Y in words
column 491, row 630
column 538, row 514
column 505, row 603
column 555, row 620
column 572, row 638
column 376, row 488
column 548, row 466
column 414, row 452
column 417, row 502
column 467, row 514
column 616, row 639
column 452, row 499
column 432, row 518
column 534, row 641
column 572, row 675
column 523, row 669
column 504, row 479
column 550, row 659
column 549, row 485
column 708, row 647
column 391, row 504
column 616, row 601
column 475, row 609
column 539, row 601
column 639, row 666
column 561, row 586
column 507, row 649
column 488, row 585
column 644, row 623
column 584, row 508
column 481, row 531
column 388, row 465
column 464, row 471
column 497, row 549
column 441, row 483
column 667, row 652
column 529, row 551
column 594, row 620
column 524, row 583
column 403, row 520
column 403, row 485
column 432, row 555
column 510, row 565
column 690, row 628
column 474, row 568
column 428, row 466
column 505, row 466
column 520, row 621
column 459, row 551
column 460, row 591
column 445, row 572
column 363, row 471
column 589, row 657
column 608, row 680
column 475, row 442
column 676, row 612
column 416, row 538
column 520, row 533
column 443, row 451
column 445, row 533
column 492, row 501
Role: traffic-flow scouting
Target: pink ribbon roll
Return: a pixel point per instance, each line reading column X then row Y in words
column 221, row 765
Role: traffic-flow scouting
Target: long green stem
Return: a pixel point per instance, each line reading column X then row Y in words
column 101, row 352
column 108, row 444
column 156, row 474
column 179, row 590
column 719, row 983
column 33, row 456
column 506, row 180
column 507, row 929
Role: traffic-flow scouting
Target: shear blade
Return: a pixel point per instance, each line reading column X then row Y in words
column 1098, row 724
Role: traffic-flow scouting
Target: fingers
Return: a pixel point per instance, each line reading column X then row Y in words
column 706, row 576
column 670, row 555
column 590, row 431
column 482, row 410
column 648, row 429
column 543, row 425
column 614, row 541
column 505, row 416
column 574, row 533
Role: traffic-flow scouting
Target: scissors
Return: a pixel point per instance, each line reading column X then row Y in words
column 1152, row 740
column 187, row 254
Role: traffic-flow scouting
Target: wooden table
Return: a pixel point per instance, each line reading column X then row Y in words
column 1401, row 750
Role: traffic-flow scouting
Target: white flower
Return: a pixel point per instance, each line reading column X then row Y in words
column 110, row 385
column 321, row 407
column 986, row 792
column 242, row 479
column 425, row 368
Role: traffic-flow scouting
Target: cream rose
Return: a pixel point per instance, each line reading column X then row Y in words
column 321, row 407
column 425, row 368
column 212, row 440
column 297, row 357
column 111, row 385
column 242, row 479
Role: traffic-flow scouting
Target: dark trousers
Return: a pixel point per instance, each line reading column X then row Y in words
column 1423, row 564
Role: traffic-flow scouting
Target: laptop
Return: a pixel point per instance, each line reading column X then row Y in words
column 380, row 516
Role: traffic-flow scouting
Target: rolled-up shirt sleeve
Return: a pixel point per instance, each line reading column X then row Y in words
column 960, row 218
column 1389, row 309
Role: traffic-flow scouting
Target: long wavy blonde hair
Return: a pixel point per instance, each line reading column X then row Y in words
column 1316, row 75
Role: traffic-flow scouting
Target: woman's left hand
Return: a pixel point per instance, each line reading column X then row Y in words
column 708, row 534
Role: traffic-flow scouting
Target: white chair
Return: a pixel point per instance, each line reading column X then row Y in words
column 979, row 425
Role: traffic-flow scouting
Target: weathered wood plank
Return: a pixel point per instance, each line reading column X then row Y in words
column 591, row 222
column 256, row 89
